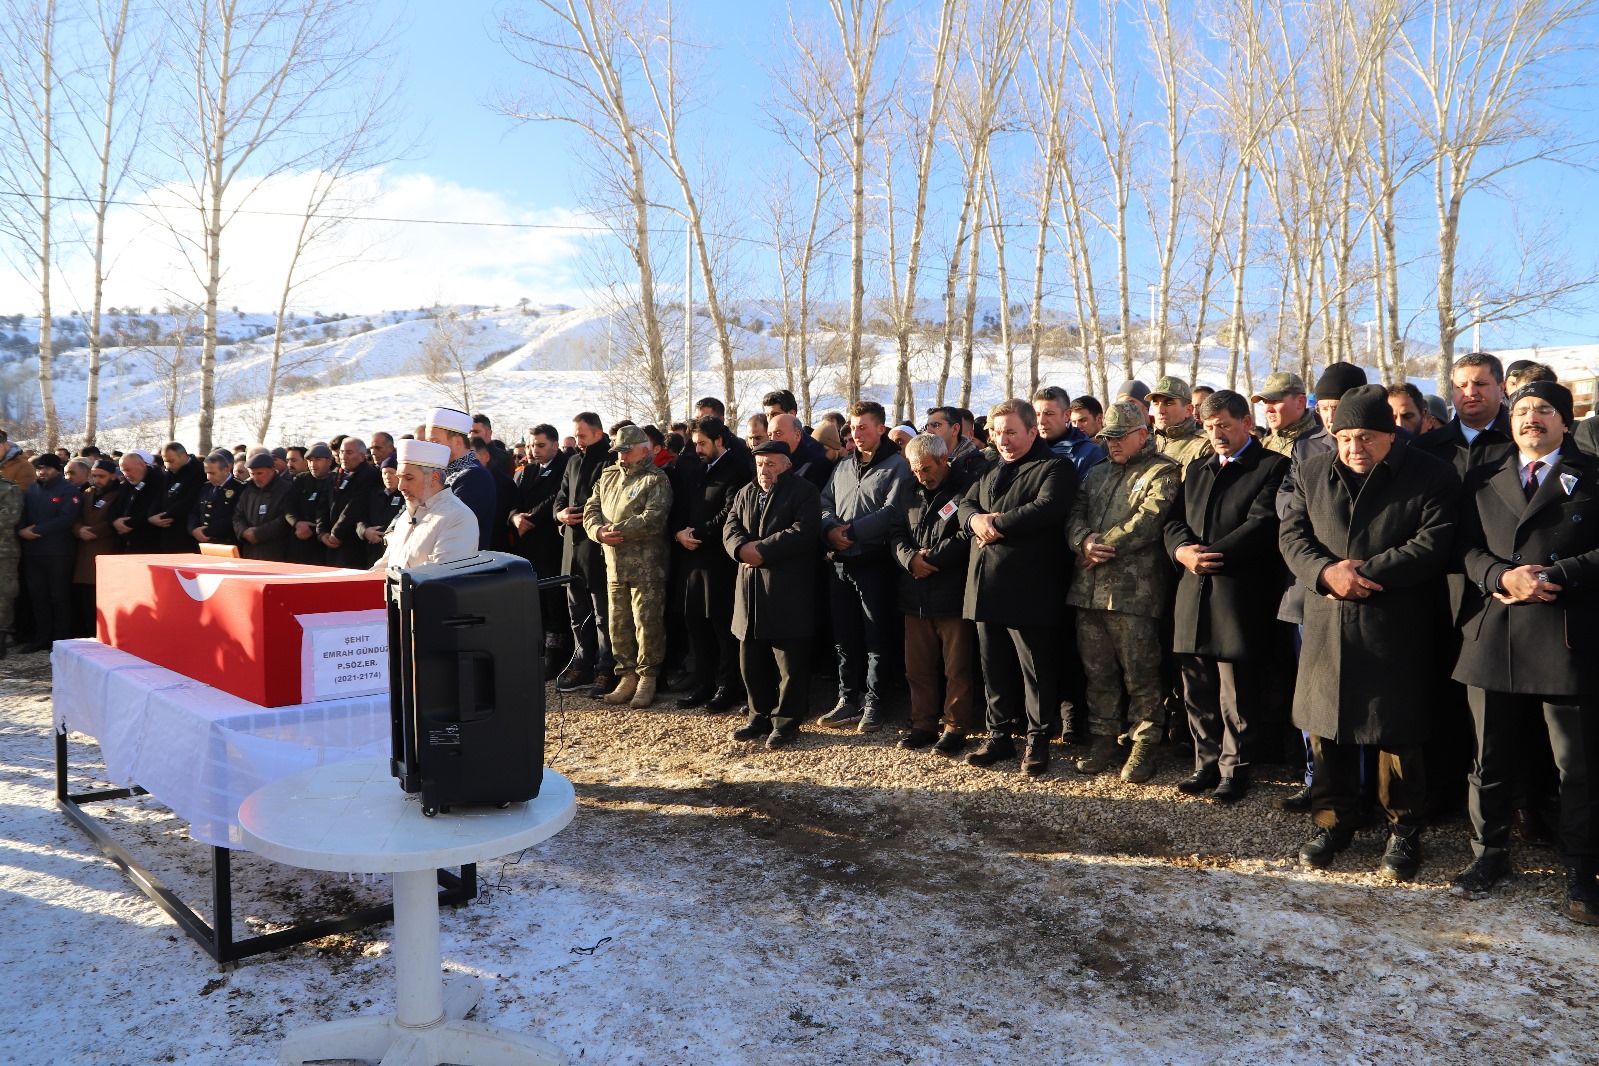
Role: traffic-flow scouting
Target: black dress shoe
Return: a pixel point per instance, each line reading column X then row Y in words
column 998, row 746
column 693, row 699
column 1296, row 802
column 781, row 738
column 1319, row 851
column 1231, row 789
column 917, row 739
column 951, row 744
column 1476, row 880
column 752, row 731
column 1402, row 858
column 724, row 699
column 1582, row 897
column 1201, row 780
column 1036, row 758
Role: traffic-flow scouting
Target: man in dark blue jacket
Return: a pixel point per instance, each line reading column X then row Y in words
column 50, row 506
column 469, row 479
column 1053, row 406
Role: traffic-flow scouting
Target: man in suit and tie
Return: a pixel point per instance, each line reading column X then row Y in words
column 1223, row 534
column 1529, row 547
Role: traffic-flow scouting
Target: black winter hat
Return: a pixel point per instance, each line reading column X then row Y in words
column 1365, row 407
column 770, row 447
column 1551, row 392
column 48, row 459
column 1338, row 379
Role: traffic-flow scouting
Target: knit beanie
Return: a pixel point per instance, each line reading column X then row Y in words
column 1338, row 379
column 1365, row 407
column 1553, row 393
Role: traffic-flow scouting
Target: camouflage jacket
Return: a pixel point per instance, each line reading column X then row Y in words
column 1282, row 440
column 10, row 515
column 1127, row 505
column 637, row 500
column 1183, row 443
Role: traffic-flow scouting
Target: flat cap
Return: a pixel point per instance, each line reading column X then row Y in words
column 771, row 447
column 319, row 451
column 1437, row 407
column 261, row 461
column 1134, row 388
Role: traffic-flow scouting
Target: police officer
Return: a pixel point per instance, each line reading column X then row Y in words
column 627, row 514
column 211, row 520
column 1121, row 591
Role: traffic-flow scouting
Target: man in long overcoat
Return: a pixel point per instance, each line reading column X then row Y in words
column 1016, row 580
column 584, row 559
column 1369, row 534
column 772, row 530
column 702, row 571
column 1223, row 534
column 537, row 534
column 1529, row 548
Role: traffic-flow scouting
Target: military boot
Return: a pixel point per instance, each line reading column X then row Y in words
column 1103, row 753
column 625, row 687
column 644, row 695
column 1141, row 762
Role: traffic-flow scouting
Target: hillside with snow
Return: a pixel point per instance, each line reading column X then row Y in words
column 523, row 365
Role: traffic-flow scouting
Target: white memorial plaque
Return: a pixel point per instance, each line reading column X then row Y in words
column 343, row 653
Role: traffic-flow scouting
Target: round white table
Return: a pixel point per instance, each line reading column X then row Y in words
column 353, row 817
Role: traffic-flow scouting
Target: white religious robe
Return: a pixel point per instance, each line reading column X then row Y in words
column 439, row 531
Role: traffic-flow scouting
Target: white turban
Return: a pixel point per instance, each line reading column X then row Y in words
column 451, row 419
column 423, row 453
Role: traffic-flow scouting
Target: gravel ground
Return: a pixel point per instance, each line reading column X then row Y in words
column 838, row 901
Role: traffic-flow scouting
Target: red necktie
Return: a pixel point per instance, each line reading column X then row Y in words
column 1531, row 487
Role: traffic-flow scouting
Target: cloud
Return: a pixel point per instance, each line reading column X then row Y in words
column 365, row 265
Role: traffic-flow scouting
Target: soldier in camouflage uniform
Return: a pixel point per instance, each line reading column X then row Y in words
column 1288, row 414
column 1122, row 589
column 10, row 553
column 1177, row 433
column 627, row 513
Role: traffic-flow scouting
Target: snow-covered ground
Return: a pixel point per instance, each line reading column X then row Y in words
column 839, row 902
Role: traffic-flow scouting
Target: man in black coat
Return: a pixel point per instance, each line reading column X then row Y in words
column 536, row 535
column 1529, row 548
column 1016, row 581
column 338, row 527
column 703, row 573
column 184, row 480
column 211, row 520
column 50, row 508
column 1369, row 534
column 773, row 530
column 933, row 551
column 583, row 558
column 1480, row 431
column 308, row 504
column 1223, row 535
column 262, row 521
column 504, row 496
column 383, row 505
column 142, row 496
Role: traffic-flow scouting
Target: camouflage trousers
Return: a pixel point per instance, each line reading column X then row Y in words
column 638, row 626
column 1121, row 655
column 10, row 589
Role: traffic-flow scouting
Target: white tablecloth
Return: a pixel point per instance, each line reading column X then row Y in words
column 195, row 748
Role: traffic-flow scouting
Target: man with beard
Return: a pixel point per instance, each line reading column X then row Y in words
column 436, row 526
column 1530, row 654
column 703, row 574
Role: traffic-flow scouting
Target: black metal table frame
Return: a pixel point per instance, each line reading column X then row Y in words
column 217, row 937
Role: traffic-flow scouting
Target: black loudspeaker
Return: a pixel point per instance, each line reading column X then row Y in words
column 466, row 681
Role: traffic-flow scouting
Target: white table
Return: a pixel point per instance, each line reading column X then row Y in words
column 353, row 816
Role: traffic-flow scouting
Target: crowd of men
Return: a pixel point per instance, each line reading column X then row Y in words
column 1404, row 586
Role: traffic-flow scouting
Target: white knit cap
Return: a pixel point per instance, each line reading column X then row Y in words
column 451, row 419
column 423, row 453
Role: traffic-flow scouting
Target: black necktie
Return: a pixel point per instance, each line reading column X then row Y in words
column 1531, row 487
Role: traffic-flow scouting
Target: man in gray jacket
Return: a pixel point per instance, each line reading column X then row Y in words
column 859, row 506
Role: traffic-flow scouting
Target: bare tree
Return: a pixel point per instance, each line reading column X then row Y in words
column 1045, row 107
column 445, row 358
column 1481, row 74
column 264, row 80
column 857, row 103
column 28, row 82
column 581, row 57
column 1169, row 50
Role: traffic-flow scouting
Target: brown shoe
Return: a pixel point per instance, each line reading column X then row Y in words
column 1527, row 825
column 1036, row 759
